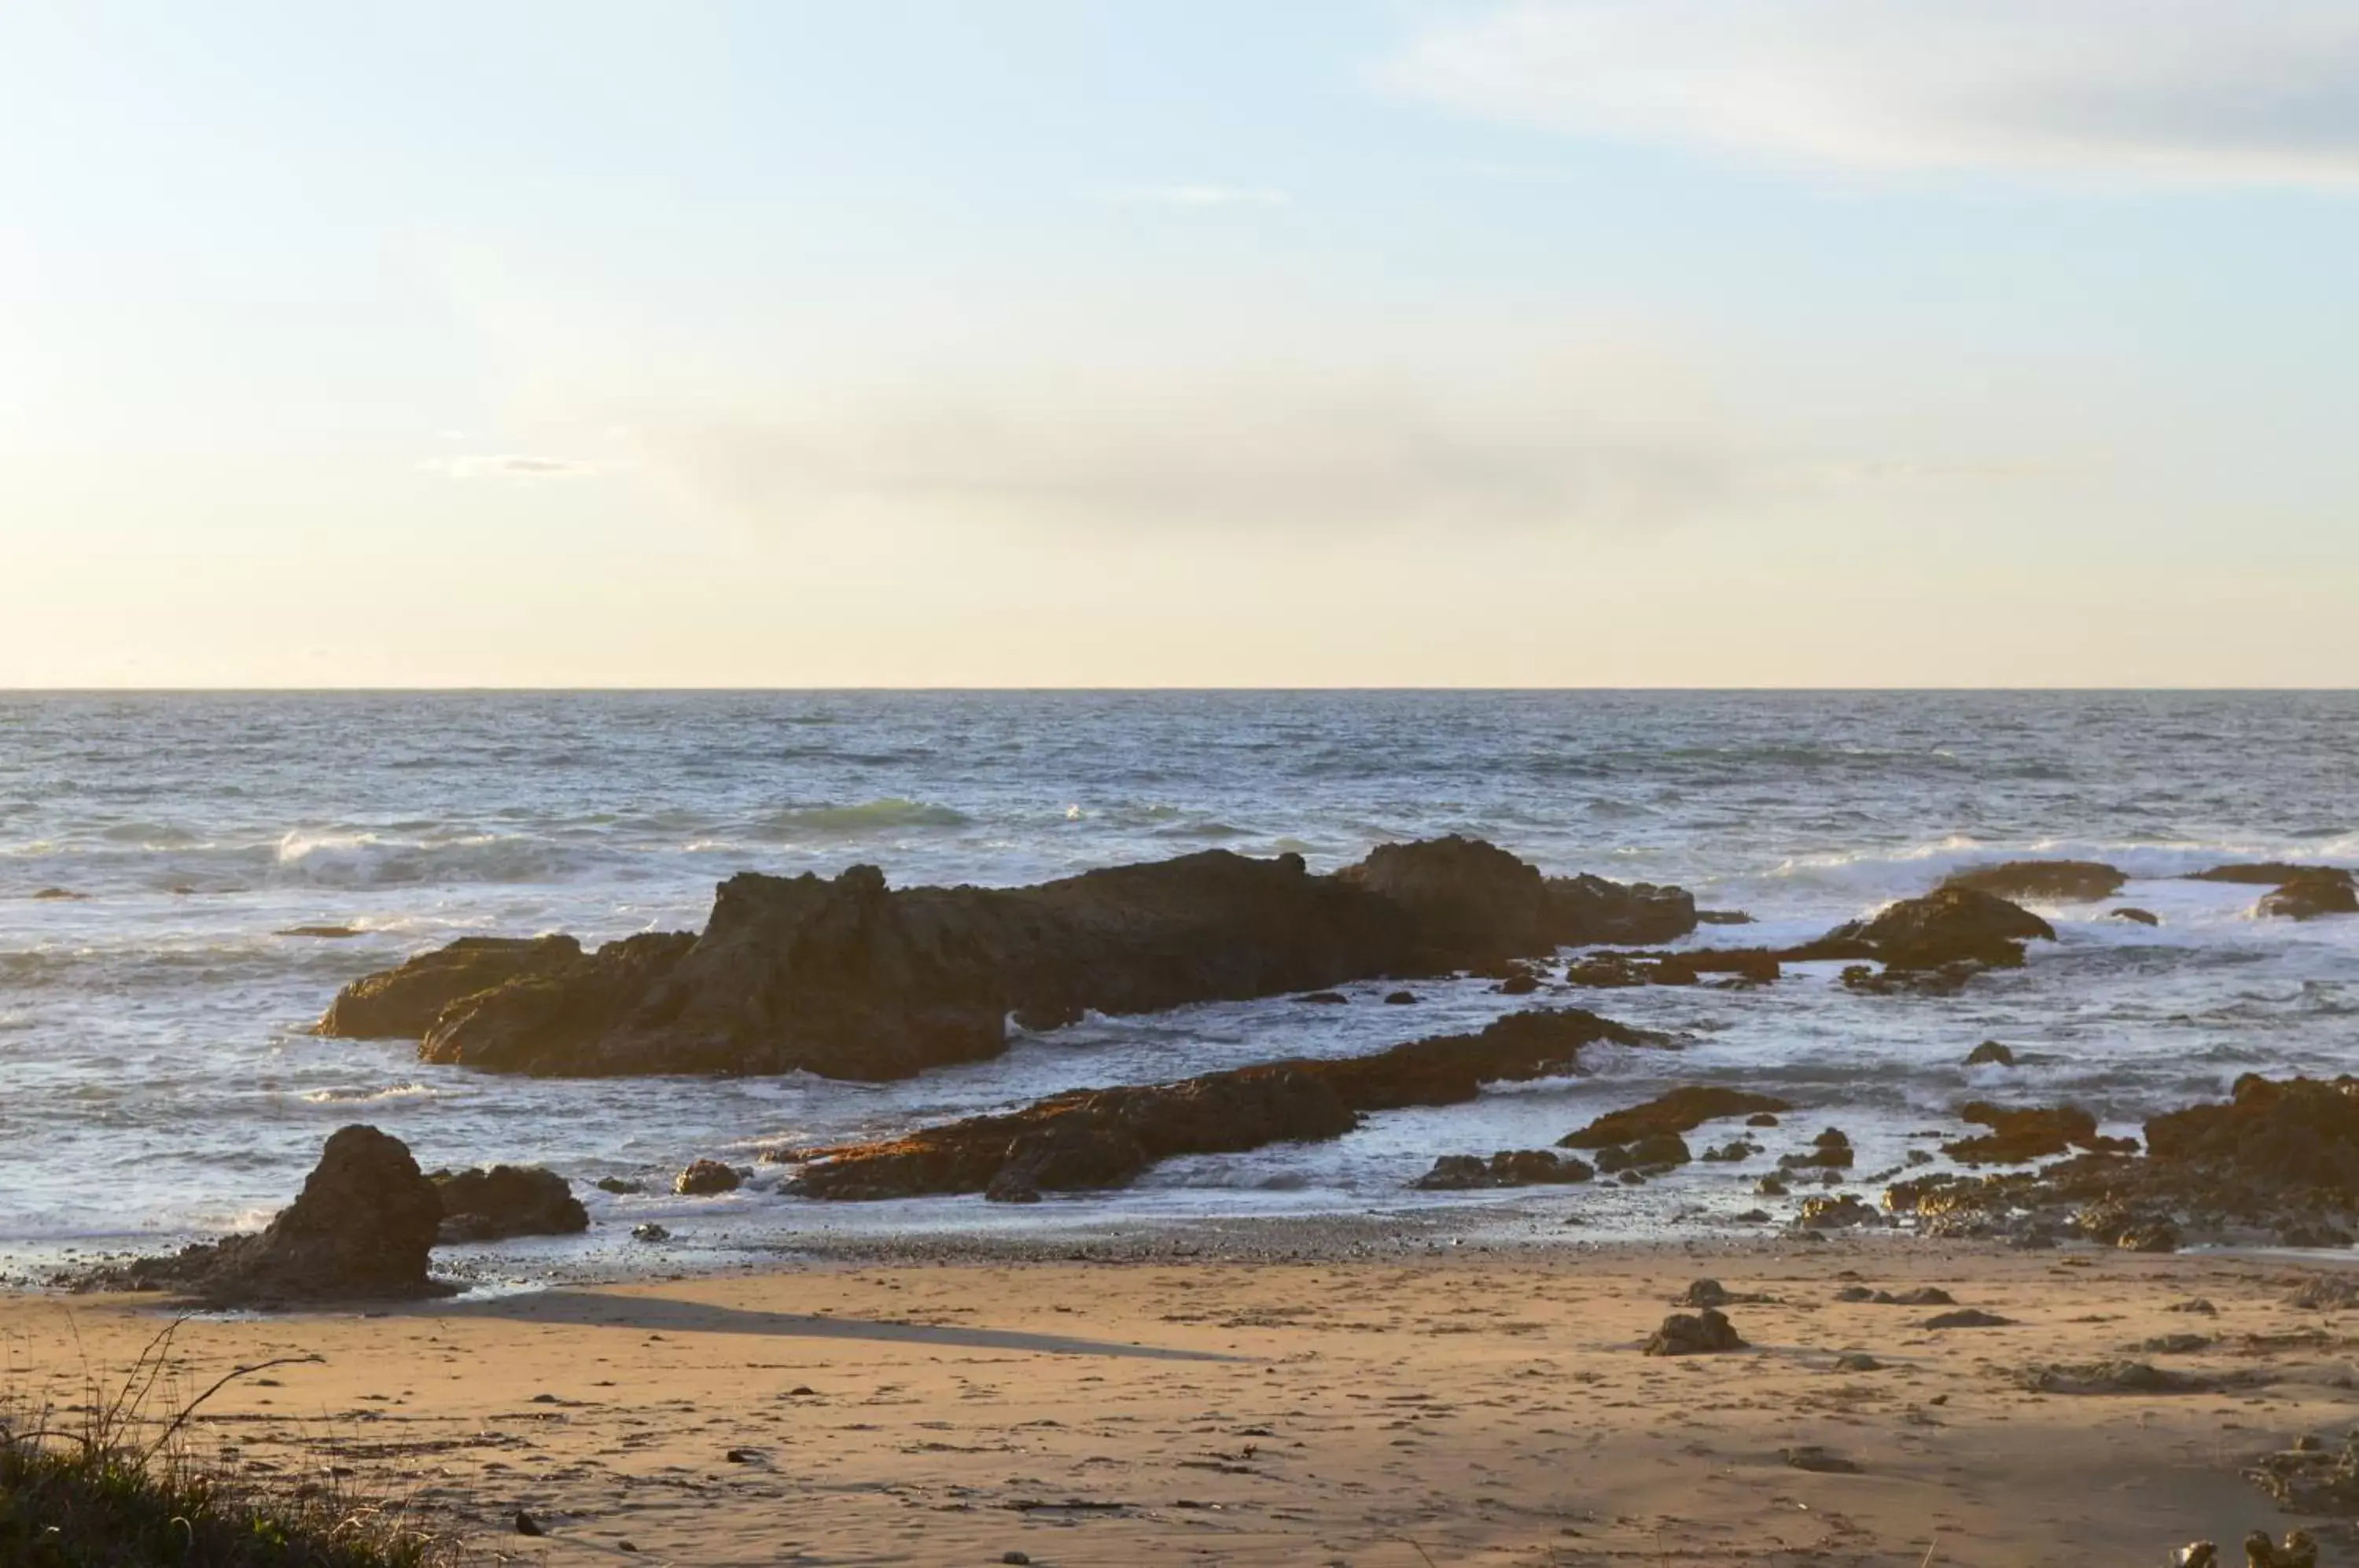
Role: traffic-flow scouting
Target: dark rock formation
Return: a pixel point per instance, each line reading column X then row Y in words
column 705, row 1178
column 1968, row 1317
column 1839, row 1212
column 1508, row 1167
column 621, row 1186
column 1948, row 925
column 1990, row 1052
column 1744, row 965
column 505, row 1201
column 2135, row 916
column 402, row 1002
column 2307, row 897
column 360, row 1230
column 2055, row 881
column 2267, row 873
column 1704, row 1334
column 1831, row 1150
column 2313, row 1478
column 849, row 979
column 2029, row 1133
column 1681, row 1110
column 1651, row 1154
column 1106, row 1137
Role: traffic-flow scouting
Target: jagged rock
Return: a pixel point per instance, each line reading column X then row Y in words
column 1704, row 1334
column 2312, row 1477
column 1508, row 1167
column 2031, row 1133
column 848, row 978
column 1106, row 1137
column 505, row 1201
column 404, row 1002
column 704, row 1178
column 2064, row 881
column 2308, row 897
column 1839, row 1212
column 1948, row 925
column 2136, row 916
column 1681, row 1110
column 362, row 1229
column 1989, row 1054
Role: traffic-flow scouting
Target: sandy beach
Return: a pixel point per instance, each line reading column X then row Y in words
column 1455, row 1407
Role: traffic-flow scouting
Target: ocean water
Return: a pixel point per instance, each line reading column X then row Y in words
column 156, row 1080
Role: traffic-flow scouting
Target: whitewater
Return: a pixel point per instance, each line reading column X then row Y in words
column 186, row 879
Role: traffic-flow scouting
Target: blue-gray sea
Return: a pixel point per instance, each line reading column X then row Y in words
column 156, row 1080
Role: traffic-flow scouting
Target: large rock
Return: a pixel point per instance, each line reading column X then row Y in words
column 2028, row 1133
column 2055, row 881
column 849, row 979
column 2307, row 897
column 1106, row 1137
column 402, row 1002
column 2267, row 873
column 1948, row 925
column 507, row 1201
column 362, row 1229
column 1508, row 1167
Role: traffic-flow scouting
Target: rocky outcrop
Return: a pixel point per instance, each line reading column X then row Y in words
column 1508, row 1167
column 706, row 1178
column 507, row 1201
column 849, row 979
column 1106, row 1137
column 1701, row 1334
column 2052, row 881
column 2135, row 916
column 1947, row 926
column 2308, row 897
column 1989, row 1054
column 2278, row 1163
column 2031, row 1133
column 2267, row 873
column 1612, row 969
column 360, row 1230
column 1682, row 1110
column 402, row 1002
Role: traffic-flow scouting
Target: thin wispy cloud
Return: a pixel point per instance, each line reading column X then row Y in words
column 2177, row 91
column 507, row 465
column 1197, row 195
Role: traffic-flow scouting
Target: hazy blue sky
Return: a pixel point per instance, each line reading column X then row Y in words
column 1044, row 342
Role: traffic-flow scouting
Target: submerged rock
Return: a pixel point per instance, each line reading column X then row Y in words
column 1106, row 1137
column 2065, row 881
column 1948, row 925
column 2267, row 873
column 2135, row 916
column 1989, row 1054
column 362, row 1229
column 1508, row 1167
column 507, row 1201
column 848, row 978
column 1681, row 1110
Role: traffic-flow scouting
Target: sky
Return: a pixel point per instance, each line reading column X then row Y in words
column 1200, row 342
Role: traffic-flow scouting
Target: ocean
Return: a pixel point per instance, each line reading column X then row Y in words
column 158, row 1081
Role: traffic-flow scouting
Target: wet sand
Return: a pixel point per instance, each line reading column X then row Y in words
column 1458, row 1407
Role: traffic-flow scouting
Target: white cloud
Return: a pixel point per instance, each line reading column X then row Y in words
column 1198, row 196
column 2210, row 91
column 507, row 465
column 1253, row 449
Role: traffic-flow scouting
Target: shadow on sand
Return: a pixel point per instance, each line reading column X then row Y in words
column 662, row 1314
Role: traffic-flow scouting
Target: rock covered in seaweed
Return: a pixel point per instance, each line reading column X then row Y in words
column 1681, row 1110
column 848, row 978
column 2308, row 897
column 2054, row 881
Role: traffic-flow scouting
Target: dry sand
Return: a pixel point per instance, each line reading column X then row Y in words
column 1463, row 1409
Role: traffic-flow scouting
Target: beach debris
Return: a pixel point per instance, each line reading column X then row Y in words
column 2313, row 1478
column 1508, row 1167
column 1820, row 1460
column 848, row 978
column 1968, row 1317
column 2020, row 1135
column 1681, row 1110
column 1105, row 1138
column 704, row 1178
column 1704, row 1334
column 1989, row 1054
column 505, row 1201
column 362, row 1229
column 2050, row 881
column 650, row 1232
